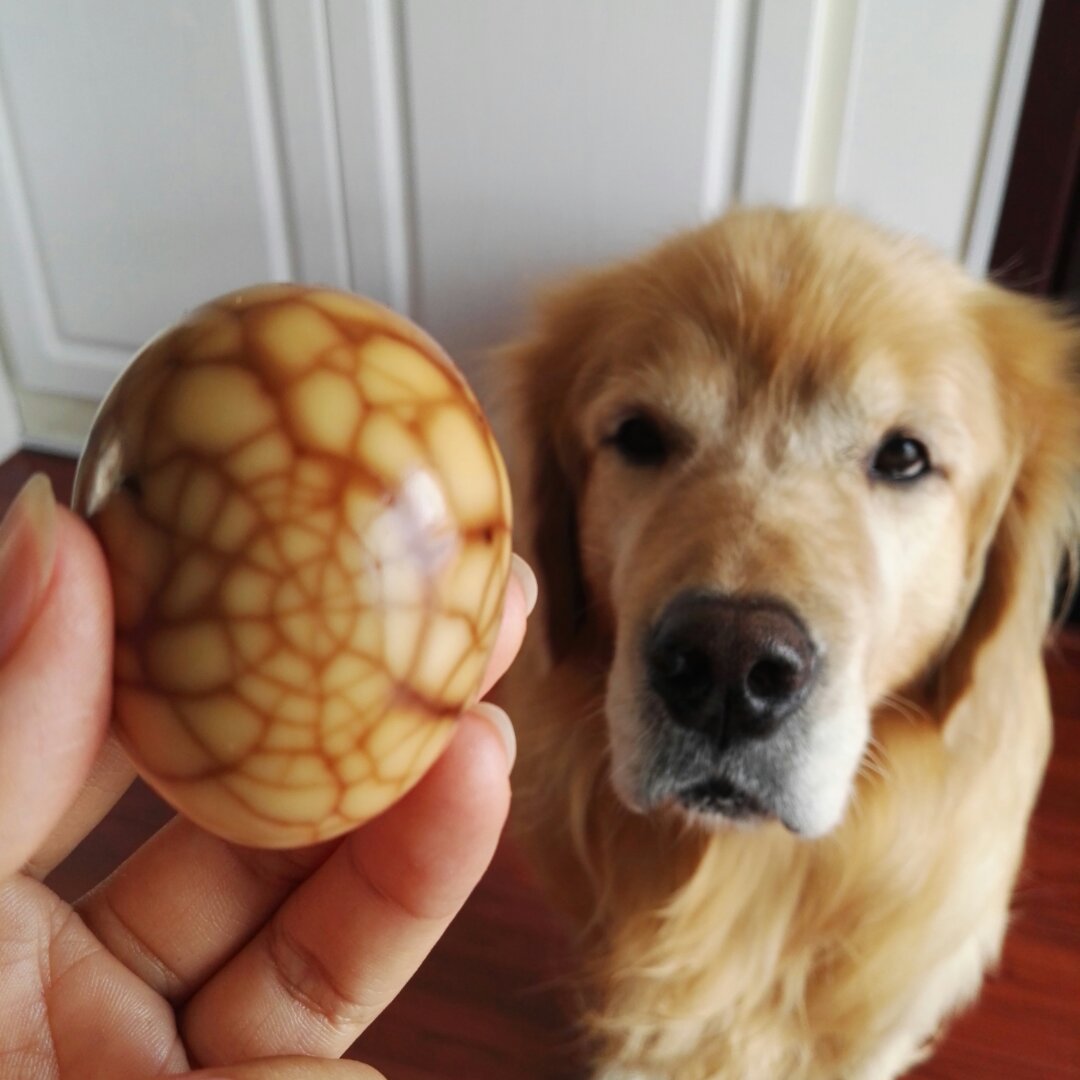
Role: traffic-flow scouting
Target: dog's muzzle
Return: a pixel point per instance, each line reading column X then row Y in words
column 730, row 675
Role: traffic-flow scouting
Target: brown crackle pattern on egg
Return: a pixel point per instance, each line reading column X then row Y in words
column 306, row 521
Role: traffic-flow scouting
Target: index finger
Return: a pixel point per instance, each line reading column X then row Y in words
column 346, row 941
column 54, row 695
column 520, row 600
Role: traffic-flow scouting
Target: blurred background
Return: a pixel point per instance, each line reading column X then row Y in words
column 449, row 158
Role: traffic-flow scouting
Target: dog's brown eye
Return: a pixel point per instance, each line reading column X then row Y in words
column 640, row 441
column 900, row 459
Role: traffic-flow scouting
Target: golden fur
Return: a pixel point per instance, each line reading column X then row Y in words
column 781, row 345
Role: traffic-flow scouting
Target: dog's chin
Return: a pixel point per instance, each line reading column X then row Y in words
column 801, row 778
column 719, row 804
column 718, row 801
column 714, row 803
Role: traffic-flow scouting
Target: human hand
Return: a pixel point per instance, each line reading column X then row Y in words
column 197, row 952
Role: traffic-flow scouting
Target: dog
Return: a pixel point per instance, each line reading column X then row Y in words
column 798, row 492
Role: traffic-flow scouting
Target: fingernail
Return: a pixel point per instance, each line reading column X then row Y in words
column 526, row 579
column 27, row 554
column 503, row 726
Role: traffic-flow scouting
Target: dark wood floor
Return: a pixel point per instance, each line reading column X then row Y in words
column 489, row 1004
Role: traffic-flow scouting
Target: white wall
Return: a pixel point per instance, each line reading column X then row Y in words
column 10, row 426
column 449, row 157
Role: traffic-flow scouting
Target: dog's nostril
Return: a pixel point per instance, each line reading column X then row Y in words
column 685, row 672
column 774, row 679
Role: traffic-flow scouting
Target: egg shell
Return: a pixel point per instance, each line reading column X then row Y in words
column 306, row 521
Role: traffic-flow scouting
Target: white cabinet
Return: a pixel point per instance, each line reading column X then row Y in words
column 449, row 157
column 154, row 155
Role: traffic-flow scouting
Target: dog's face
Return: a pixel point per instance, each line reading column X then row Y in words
column 789, row 450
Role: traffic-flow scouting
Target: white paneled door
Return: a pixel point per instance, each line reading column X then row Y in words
column 552, row 135
column 449, row 158
column 140, row 170
column 155, row 155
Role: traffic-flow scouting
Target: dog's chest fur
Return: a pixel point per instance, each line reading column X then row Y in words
column 751, row 954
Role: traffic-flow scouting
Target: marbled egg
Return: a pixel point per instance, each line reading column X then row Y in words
column 307, row 524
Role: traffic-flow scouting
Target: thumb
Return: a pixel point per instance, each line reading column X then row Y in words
column 289, row 1068
column 55, row 666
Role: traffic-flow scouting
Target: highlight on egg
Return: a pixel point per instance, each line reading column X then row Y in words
column 306, row 520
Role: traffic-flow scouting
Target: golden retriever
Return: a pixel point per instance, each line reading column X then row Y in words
column 798, row 492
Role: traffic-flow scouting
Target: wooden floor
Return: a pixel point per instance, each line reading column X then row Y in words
column 489, row 1003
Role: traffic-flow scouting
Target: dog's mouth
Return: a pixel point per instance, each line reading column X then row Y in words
column 720, row 796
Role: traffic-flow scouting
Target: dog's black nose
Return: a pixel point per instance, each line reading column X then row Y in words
column 733, row 667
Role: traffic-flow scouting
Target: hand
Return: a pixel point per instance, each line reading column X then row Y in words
column 197, row 952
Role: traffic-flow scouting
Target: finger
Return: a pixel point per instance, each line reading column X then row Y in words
column 55, row 676
column 521, row 592
column 186, row 901
column 343, row 945
column 182, row 904
column 110, row 776
column 289, row 1068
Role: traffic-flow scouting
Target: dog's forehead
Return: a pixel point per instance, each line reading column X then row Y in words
column 736, row 316
column 701, row 373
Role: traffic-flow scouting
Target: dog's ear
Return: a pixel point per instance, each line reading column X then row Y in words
column 1031, row 521
column 537, row 378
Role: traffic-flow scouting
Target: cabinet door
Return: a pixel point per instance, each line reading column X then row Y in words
column 153, row 155
column 141, row 174
column 553, row 134
column 451, row 158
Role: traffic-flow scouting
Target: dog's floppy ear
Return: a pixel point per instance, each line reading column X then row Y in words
column 537, row 378
column 1031, row 524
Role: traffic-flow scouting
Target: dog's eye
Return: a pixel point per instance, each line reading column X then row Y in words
column 900, row 459
column 640, row 441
